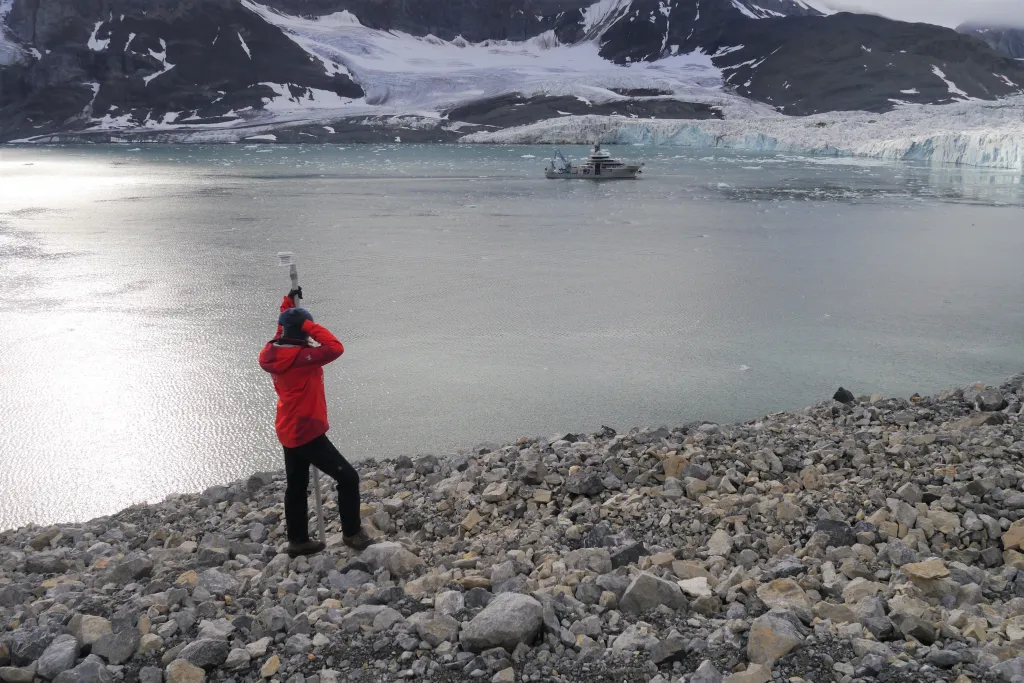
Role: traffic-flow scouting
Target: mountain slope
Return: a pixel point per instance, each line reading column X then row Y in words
column 195, row 65
column 1005, row 40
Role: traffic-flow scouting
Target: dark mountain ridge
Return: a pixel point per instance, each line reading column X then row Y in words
column 196, row 63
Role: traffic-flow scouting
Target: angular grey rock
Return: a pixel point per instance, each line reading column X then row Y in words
column 151, row 674
column 91, row 670
column 439, row 629
column 298, row 644
column 628, row 554
column 844, row 396
column 349, row 580
column 476, row 598
column 16, row 674
column 773, row 636
column 944, row 659
column 449, row 603
column 839, row 533
column 237, row 659
column 206, row 653
column 509, row 619
column 990, row 400
column 45, row 563
column 61, row 655
column 671, row 649
column 12, row 596
column 118, row 648
column 706, row 673
column 647, row 591
column 1010, row 671
column 132, row 568
column 596, row 560
column 360, row 616
column 899, row 553
column 393, row 557
column 26, row 645
column 584, row 483
column 217, row 582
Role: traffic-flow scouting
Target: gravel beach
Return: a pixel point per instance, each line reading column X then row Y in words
column 860, row 539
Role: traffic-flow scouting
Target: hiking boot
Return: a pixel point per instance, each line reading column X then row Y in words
column 359, row 541
column 304, row 548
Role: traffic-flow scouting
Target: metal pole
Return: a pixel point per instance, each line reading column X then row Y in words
column 293, row 272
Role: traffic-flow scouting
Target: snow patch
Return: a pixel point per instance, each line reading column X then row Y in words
column 95, row 44
column 162, row 58
column 1006, row 80
column 603, row 13
column 403, row 73
column 949, row 84
column 244, row 46
column 743, row 8
column 722, row 51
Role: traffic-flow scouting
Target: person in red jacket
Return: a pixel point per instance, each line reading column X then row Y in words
column 297, row 369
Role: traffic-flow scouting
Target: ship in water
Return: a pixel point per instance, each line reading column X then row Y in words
column 599, row 166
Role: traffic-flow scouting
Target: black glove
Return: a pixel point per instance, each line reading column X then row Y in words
column 295, row 292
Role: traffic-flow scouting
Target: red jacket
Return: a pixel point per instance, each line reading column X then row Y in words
column 297, row 369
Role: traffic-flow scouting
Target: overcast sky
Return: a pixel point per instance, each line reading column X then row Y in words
column 945, row 12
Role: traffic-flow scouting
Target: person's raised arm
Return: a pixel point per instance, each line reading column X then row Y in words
column 287, row 302
column 330, row 348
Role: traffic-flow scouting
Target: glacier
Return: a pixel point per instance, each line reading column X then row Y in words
column 414, row 80
column 10, row 51
column 975, row 133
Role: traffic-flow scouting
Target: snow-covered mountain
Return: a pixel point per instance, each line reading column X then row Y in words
column 1009, row 41
column 333, row 70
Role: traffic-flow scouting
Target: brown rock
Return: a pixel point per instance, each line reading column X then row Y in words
column 1013, row 536
column 270, row 667
column 471, row 520
column 755, row 673
column 180, row 671
column 674, row 465
column 786, row 594
column 929, row 569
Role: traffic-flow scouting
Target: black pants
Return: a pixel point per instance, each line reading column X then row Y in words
column 321, row 454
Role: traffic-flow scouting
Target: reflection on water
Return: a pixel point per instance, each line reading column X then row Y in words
column 477, row 301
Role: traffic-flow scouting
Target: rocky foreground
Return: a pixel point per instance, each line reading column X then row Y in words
column 859, row 539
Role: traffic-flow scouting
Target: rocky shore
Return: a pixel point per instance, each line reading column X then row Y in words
column 860, row 539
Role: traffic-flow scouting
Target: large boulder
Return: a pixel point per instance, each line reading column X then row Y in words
column 786, row 594
column 91, row 670
column 118, row 648
column 217, row 582
column 206, row 653
column 508, row 620
column 647, row 591
column 60, row 656
column 132, row 568
column 584, row 483
column 392, row 557
column 773, row 636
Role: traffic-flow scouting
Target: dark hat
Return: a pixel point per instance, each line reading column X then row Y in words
column 292, row 321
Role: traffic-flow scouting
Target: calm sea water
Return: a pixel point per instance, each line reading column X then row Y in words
column 477, row 301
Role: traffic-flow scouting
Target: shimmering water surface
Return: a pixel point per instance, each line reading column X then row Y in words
column 477, row 301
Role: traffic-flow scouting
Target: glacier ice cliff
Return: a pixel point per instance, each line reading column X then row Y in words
column 989, row 134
